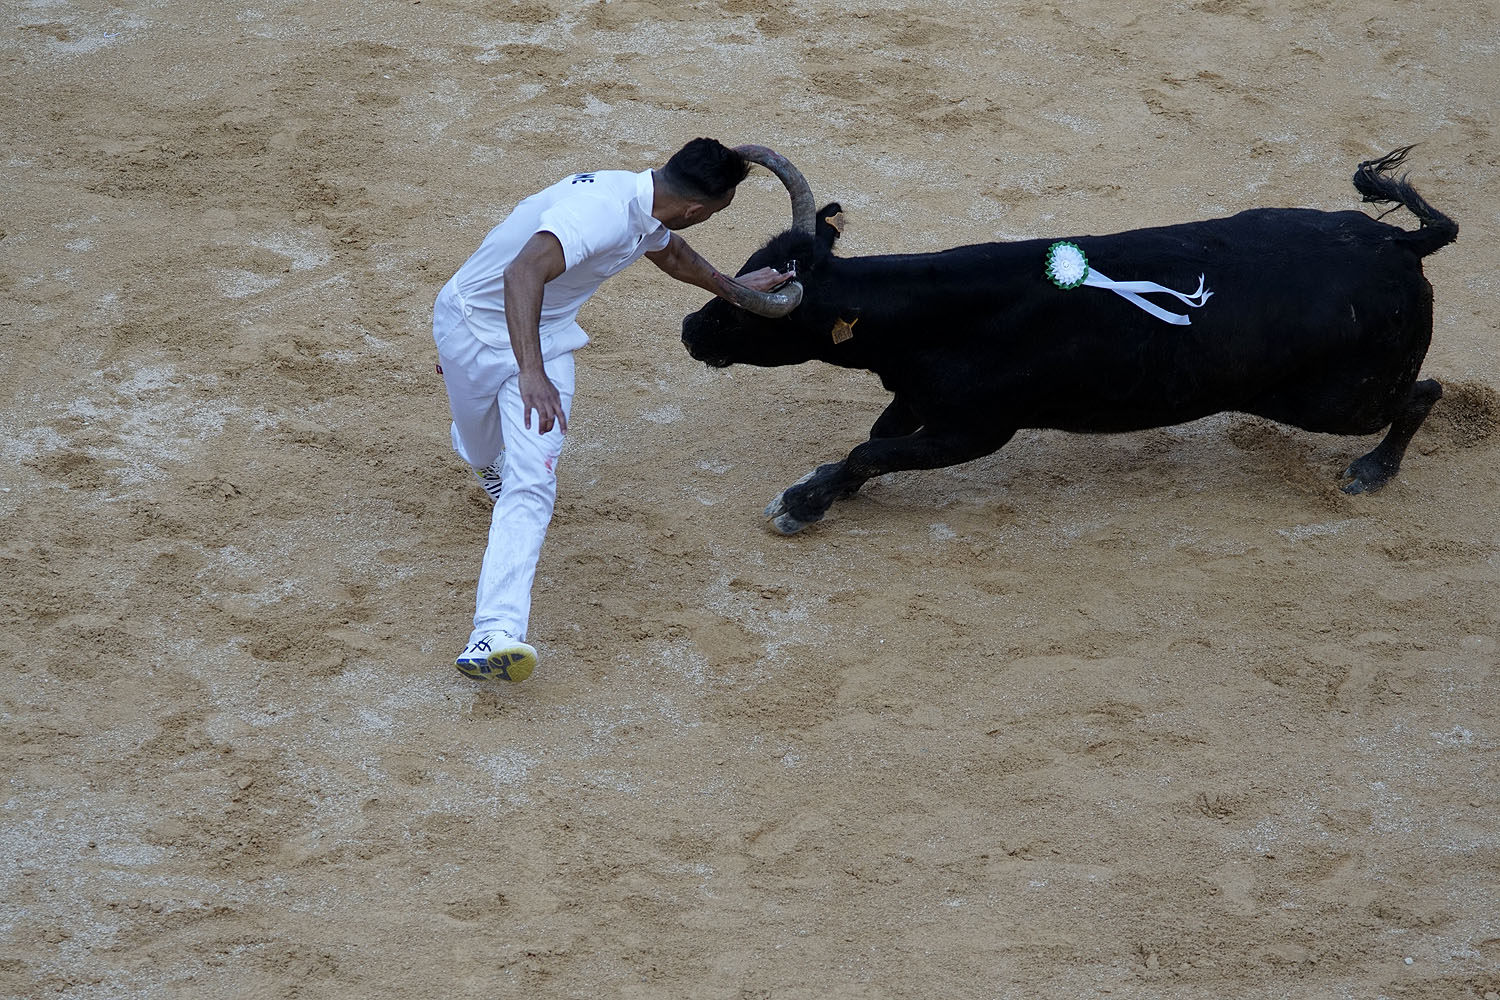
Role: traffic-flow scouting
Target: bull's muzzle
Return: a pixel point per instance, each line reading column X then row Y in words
column 694, row 339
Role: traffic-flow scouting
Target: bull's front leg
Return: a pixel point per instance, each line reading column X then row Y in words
column 808, row 499
column 897, row 420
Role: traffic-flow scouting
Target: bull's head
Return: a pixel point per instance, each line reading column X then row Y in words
column 763, row 328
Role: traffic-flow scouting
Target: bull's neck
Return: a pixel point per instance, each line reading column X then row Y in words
column 877, row 308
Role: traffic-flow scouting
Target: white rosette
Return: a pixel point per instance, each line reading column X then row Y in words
column 1067, row 267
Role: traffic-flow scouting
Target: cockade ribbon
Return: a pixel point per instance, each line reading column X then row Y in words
column 1067, row 267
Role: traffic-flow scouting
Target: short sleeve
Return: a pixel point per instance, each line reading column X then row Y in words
column 585, row 227
column 658, row 239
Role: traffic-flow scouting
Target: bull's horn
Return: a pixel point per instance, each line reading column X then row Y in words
column 804, row 213
column 772, row 305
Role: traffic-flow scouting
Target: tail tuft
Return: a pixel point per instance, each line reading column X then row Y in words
column 1374, row 182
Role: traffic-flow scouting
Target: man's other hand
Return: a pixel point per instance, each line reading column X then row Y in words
column 539, row 394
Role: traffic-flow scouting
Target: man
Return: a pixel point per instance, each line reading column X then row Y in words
column 505, row 330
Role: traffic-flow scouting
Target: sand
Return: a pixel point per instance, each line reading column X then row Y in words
column 1157, row 714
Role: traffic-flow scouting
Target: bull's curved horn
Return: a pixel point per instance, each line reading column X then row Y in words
column 772, row 305
column 804, row 213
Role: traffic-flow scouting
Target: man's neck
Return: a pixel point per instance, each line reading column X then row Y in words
column 662, row 202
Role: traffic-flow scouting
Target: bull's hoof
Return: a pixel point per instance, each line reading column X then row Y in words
column 786, row 524
column 779, row 505
column 1365, row 475
column 782, row 522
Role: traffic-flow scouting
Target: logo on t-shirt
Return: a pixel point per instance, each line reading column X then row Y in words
column 582, row 179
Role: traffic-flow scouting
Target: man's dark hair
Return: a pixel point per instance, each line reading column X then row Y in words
column 705, row 169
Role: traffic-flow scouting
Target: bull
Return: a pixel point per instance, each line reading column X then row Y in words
column 1318, row 319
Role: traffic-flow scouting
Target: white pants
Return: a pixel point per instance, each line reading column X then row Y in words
column 484, row 397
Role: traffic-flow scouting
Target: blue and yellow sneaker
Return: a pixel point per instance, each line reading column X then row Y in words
column 497, row 655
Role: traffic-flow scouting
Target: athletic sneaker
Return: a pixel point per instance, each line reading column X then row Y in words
column 497, row 655
column 489, row 478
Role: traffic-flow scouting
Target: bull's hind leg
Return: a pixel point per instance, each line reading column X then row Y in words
column 808, row 499
column 1372, row 471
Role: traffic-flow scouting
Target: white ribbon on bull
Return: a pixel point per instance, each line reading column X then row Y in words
column 1067, row 267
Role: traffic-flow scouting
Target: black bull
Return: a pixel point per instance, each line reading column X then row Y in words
column 1318, row 319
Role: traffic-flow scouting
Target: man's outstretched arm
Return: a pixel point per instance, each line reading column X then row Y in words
column 526, row 277
column 684, row 263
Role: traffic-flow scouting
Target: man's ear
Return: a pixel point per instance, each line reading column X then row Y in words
column 830, row 223
column 695, row 212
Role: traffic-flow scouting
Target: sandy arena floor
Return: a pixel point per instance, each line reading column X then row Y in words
column 1153, row 715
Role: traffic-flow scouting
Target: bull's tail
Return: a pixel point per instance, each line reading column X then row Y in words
column 1374, row 181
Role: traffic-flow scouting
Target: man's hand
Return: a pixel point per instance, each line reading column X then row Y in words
column 767, row 278
column 539, row 394
column 683, row 263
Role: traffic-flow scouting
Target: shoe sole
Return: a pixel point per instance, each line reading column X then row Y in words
column 513, row 663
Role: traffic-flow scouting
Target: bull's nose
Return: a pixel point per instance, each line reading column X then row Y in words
column 696, row 336
column 696, row 352
column 691, row 341
column 709, row 359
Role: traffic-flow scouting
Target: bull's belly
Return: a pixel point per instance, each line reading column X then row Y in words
column 1102, row 407
column 1354, row 406
column 1126, row 422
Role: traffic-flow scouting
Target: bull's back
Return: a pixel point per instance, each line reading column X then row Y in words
column 1303, row 302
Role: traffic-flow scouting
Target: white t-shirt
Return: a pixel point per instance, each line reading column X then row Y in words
column 603, row 221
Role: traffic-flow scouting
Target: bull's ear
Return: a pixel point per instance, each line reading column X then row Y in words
column 830, row 223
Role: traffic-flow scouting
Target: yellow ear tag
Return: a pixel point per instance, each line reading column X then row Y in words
column 836, row 221
column 844, row 330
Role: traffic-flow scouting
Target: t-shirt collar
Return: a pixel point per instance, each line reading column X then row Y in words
column 641, row 205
